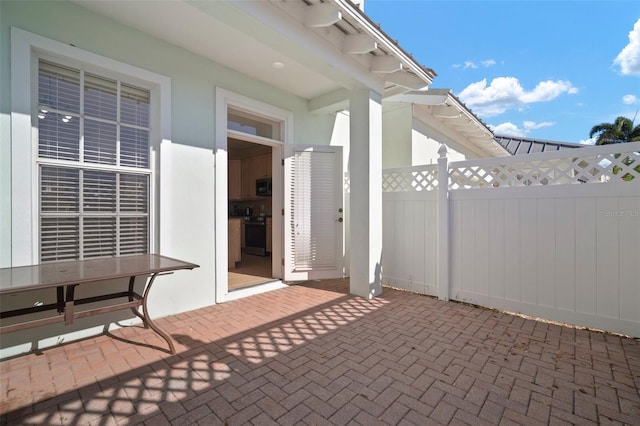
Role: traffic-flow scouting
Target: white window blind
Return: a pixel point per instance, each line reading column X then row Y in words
column 93, row 157
column 313, row 238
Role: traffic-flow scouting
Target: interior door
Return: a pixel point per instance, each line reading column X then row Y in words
column 313, row 213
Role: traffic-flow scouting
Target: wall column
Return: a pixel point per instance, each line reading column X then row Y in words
column 365, row 171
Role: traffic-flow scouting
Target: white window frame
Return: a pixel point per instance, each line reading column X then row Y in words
column 26, row 49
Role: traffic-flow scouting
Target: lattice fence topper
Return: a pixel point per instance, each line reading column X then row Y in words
column 619, row 163
column 410, row 179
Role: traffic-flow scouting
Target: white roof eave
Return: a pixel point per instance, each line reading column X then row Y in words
column 410, row 64
column 463, row 121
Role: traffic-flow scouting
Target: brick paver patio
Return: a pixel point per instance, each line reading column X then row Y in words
column 312, row 354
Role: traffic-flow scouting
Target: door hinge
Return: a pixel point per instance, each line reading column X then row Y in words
column 282, row 261
column 283, row 161
column 282, row 212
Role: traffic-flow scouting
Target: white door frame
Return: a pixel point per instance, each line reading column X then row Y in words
column 224, row 100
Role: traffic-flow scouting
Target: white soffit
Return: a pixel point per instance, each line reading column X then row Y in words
column 442, row 105
column 211, row 36
column 365, row 51
column 320, row 47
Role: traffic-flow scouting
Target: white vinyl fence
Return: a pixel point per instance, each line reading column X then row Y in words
column 552, row 235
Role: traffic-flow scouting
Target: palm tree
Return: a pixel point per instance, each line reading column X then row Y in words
column 620, row 131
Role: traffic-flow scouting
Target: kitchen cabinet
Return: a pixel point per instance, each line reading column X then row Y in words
column 234, row 238
column 269, row 225
column 248, row 177
column 252, row 169
column 234, row 179
column 263, row 166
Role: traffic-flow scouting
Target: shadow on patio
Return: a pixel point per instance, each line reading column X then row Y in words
column 314, row 354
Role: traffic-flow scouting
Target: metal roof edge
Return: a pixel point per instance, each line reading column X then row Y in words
column 546, row 141
column 346, row 6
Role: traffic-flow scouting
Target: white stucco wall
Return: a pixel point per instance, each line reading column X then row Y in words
column 191, row 190
column 425, row 144
column 396, row 136
column 408, row 141
column 429, row 132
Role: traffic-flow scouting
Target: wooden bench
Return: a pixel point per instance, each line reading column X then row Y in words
column 65, row 277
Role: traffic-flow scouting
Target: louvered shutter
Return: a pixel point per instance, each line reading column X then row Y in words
column 313, row 248
column 313, row 215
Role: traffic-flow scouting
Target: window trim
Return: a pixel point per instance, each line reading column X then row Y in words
column 26, row 49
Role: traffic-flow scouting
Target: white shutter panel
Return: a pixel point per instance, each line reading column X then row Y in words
column 313, row 213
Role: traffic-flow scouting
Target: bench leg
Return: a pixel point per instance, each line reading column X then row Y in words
column 149, row 321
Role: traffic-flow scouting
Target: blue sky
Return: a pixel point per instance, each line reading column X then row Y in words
column 539, row 69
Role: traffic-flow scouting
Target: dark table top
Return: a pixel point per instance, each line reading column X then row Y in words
column 16, row 279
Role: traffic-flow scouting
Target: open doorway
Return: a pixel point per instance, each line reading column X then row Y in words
column 248, row 133
column 250, row 210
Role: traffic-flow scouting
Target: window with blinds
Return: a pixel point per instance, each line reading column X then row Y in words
column 93, row 164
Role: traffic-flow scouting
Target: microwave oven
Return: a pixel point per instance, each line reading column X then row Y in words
column 263, row 187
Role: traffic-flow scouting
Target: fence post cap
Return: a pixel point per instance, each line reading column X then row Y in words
column 442, row 150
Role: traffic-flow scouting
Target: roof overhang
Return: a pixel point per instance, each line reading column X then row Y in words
column 312, row 49
column 441, row 106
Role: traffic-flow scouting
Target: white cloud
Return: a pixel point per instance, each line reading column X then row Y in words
column 510, row 129
column 548, row 90
column 630, row 99
column 532, row 125
column 506, row 92
column 590, row 141
column 472, row 65
column 629, row 58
